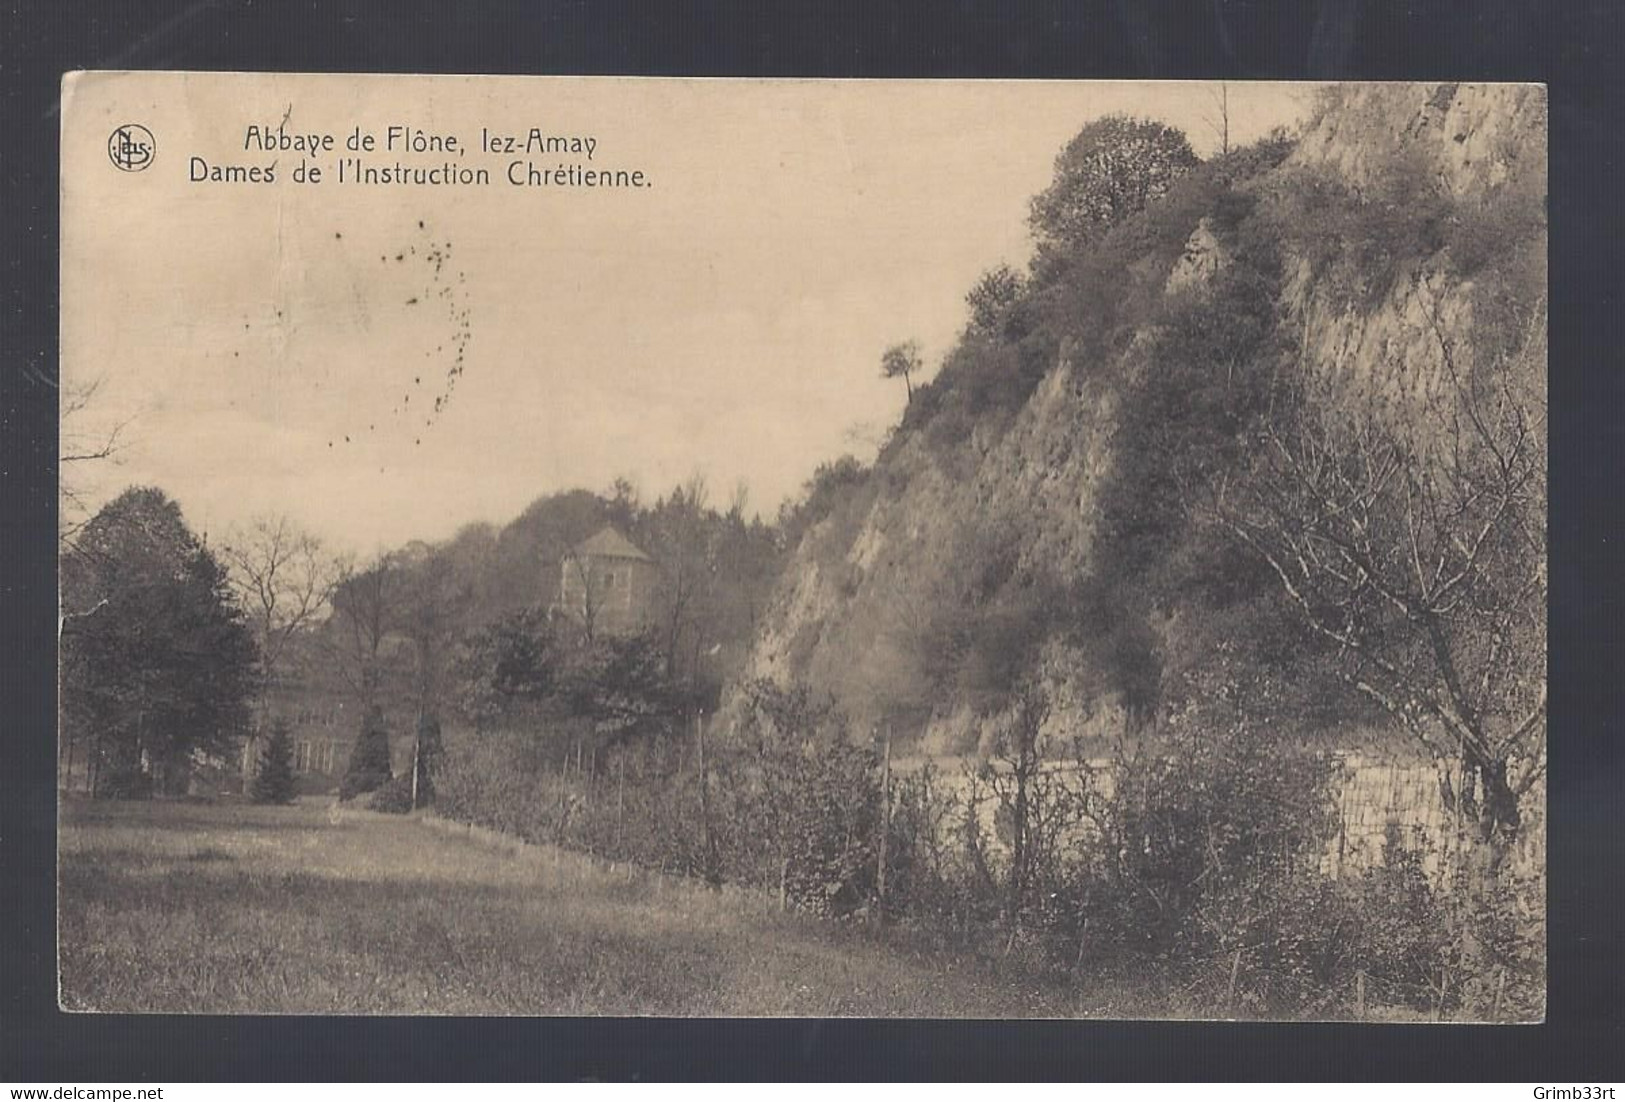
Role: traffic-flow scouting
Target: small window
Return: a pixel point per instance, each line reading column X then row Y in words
column 609, row 579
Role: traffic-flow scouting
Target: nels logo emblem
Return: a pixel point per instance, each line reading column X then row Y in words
column 131, row 147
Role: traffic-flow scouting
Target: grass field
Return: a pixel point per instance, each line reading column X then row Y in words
column 228, row 908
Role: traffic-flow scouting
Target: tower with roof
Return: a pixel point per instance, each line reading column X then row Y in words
column 607, row 584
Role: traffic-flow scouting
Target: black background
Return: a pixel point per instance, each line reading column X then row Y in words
column 1575, row 49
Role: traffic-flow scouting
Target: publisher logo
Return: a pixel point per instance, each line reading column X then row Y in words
column 132, row 147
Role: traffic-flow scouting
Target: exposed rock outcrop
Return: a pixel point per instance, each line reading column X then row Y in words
column 851, row 613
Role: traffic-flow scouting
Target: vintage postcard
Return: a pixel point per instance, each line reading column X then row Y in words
column 578, row 546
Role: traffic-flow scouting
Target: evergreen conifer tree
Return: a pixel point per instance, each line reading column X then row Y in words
column 273, row 783
column 369, row 759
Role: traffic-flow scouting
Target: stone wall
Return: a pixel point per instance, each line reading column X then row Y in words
column 1380, row 793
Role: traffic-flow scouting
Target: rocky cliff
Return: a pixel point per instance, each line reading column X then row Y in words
column 1380, row 212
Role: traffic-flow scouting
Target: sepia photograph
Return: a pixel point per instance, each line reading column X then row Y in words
column 606, row 546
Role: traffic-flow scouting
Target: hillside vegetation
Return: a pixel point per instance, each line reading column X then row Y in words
column 1053, row 504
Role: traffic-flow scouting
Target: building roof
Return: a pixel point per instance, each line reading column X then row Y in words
column 608, row 543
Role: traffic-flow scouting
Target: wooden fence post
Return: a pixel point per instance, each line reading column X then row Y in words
column 620, row 798
column 1235, row 970
column 1359, row 995
column 885, row 829
column 417, row 745
column 707, row 840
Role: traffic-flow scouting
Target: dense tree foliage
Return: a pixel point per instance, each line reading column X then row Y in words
column 273, row 779
column 404, row 623
column 902, row 361
column 369, row 766
column 529, row 670
column 159, row 668
column 1108, row 172
column 993, row 300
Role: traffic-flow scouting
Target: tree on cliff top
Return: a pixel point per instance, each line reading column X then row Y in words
column 1109, row 171
column 902, row 361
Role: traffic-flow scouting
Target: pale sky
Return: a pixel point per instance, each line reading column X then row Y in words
column 728, row 319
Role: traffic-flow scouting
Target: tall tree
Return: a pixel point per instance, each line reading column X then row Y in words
column 283, row 579
column 85, row 439
column 427, row 750
column 369, row 768
column 687, row 557
column 431, row 599
column 902, row 361
column 508, row 668
column 365, row 611
column 1218, row 118
column 165, row 667
column 1417, row 548
column 1110, row 170
column 273, row 781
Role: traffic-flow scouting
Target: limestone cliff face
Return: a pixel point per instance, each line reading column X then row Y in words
column 1471, row 140
column 1472, row 137
column 850, row 615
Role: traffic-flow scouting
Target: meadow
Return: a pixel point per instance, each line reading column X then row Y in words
column 232, row 908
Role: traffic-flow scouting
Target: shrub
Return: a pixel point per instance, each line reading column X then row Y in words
column 369, row 765
column 393, row 797
column 926, row 874
column 1446, row 942
column 994, row 300
column 1481, row 233
column 273, row 783
column 123, row 780
column 1207, row 854
column 1360, row 241
column 806, row 799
